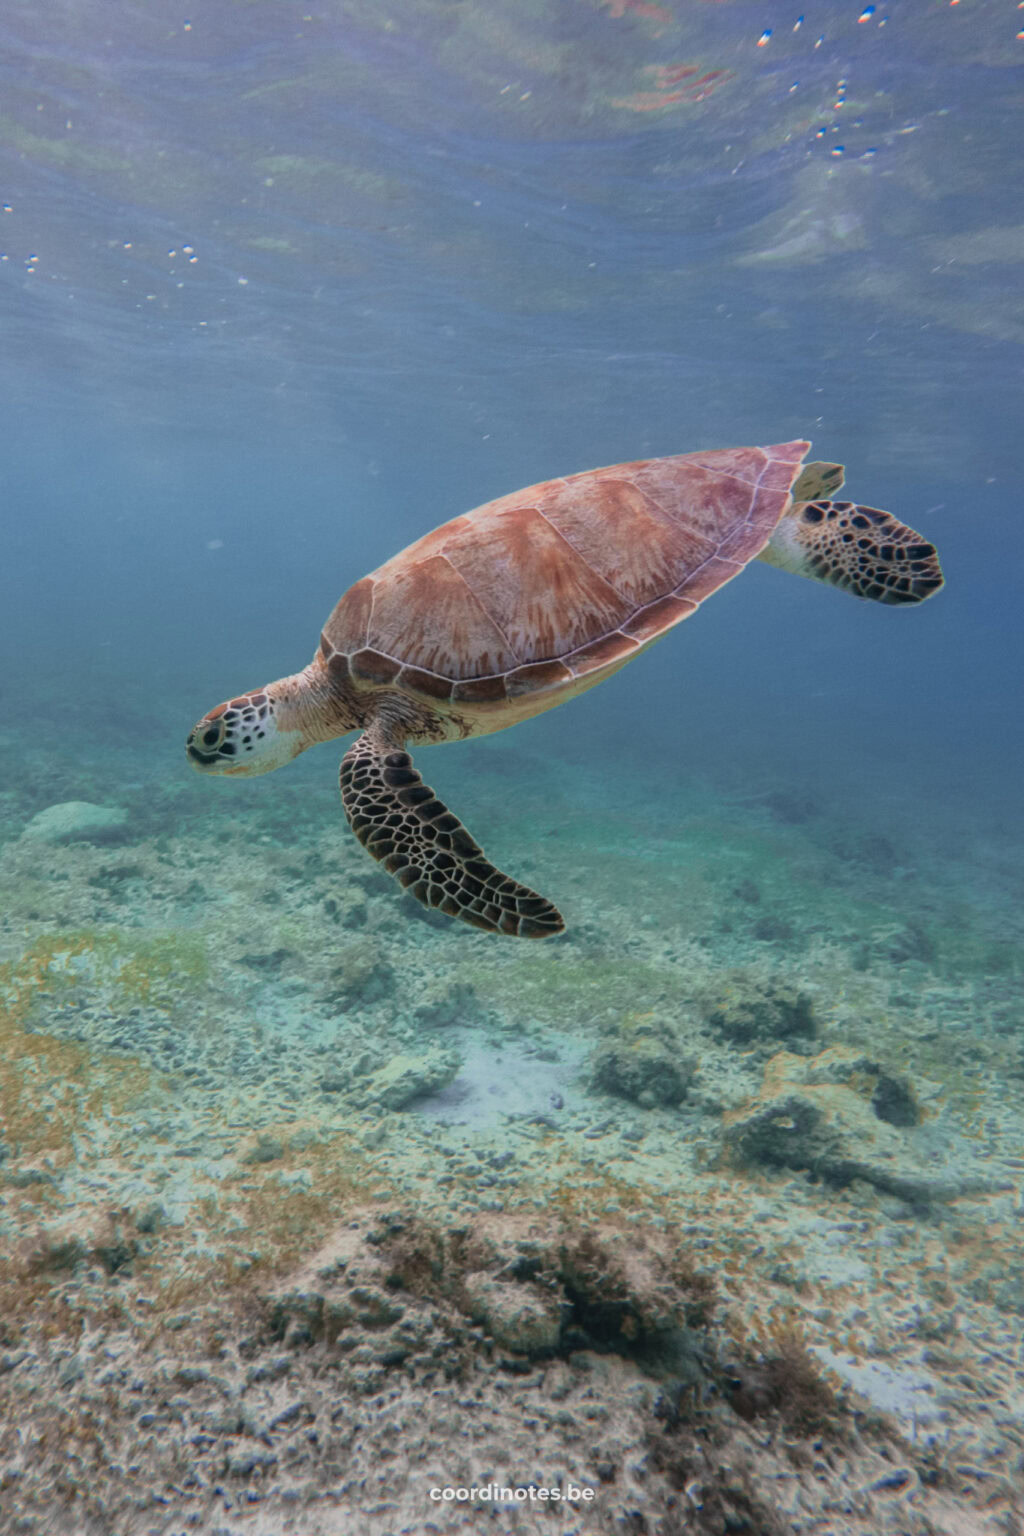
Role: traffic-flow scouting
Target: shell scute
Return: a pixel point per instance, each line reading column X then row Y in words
column 544, row 595
column 345, row 630
column 369, row 666
column 623, row 533
column 536, row 677
column 480, row 690
column 658, row 616
column 427, row 615
column 425, row 683
column 338, row 669
column 713, row 574
column 601, row 653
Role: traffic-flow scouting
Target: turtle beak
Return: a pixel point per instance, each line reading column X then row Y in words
column 197, row 755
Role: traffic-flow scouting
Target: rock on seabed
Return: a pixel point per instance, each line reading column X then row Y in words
column 822, row 1114
column 76, row 821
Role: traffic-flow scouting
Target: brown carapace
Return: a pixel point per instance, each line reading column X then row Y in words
column 521, row 605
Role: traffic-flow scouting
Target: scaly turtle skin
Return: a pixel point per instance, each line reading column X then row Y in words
column 524, row 603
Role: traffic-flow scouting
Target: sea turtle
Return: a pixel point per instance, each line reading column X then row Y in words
column 521, row 605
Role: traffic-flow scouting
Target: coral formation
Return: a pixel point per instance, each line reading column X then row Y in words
column 642, row 1060
column 746, row 1011
column 841, row 1117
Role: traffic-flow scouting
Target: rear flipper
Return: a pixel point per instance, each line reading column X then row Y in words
column 864, row 551
column 818, row 481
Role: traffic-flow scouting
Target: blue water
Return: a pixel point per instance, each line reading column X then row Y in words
column 282, row 289
column 447, row 295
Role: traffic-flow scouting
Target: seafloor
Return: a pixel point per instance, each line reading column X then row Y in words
column 311, row 1202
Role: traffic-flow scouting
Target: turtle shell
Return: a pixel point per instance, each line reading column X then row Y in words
column 536, row 590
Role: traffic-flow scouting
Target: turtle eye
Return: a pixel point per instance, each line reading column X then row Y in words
column 206, row 742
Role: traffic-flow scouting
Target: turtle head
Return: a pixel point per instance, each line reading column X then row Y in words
column 245, row 736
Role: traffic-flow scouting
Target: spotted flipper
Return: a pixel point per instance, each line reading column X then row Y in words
column 402, row 824
column 864, row 551
column 818, row 481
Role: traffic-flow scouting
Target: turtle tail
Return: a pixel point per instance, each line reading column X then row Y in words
column 859, row 549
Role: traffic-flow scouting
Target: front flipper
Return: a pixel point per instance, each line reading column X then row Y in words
column 403, row 824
